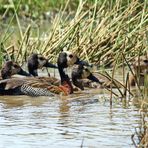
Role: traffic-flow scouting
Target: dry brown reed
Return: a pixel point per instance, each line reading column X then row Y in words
column 98, row 34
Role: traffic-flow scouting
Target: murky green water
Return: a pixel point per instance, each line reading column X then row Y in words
column 83, row 119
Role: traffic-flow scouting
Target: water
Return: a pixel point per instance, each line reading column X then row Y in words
column 83, row 119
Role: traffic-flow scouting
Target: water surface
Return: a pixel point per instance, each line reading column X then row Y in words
column 84, row 119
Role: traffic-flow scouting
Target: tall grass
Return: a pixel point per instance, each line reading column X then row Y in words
column 97, row 34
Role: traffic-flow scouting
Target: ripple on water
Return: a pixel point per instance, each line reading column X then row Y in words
column 65, row 122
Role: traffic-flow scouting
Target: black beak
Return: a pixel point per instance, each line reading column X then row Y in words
column 84, row 63
column 50, row 65
column 94, row 79
column 24, row 73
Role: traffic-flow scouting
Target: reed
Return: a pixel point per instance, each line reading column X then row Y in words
column 101, row 32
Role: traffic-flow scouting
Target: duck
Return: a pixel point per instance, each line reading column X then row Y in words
column 140, row 70
column 11, row 68
column 33, row 86
column 38, row 61
column 82, row 77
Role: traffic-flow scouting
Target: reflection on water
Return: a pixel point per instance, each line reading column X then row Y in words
column 27, row 122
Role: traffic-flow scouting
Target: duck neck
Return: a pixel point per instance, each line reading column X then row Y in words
column 65, row 81
column 32, row 67
column 33, row 72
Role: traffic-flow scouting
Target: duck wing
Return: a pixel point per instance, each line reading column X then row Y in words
column 13, row 83
column 25, row 86
column 50, row 80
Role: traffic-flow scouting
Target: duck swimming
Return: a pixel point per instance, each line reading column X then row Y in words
column 80, row 73
column 37, row 61
column 11, row 68
column 83, row 77
column 33, row 86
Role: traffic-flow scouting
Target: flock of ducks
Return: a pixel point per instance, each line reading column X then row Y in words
column 33, row 85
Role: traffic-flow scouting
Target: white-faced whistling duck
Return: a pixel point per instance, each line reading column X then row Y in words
column 33, row 86
column 83, row 77
column 37, row 61
column 11, row 68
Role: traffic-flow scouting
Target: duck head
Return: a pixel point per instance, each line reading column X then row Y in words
column 10, row 68
column 80, row 72
column 140, row 65
column 37, row 61
column 67, row 59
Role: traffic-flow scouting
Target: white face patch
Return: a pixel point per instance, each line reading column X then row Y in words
column 71, row 58
column 86, row 72
column 41, row 61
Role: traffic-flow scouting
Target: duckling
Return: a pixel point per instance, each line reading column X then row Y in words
column 140, row 69
column 38, row 87
column 11, row 68
column 37, row 61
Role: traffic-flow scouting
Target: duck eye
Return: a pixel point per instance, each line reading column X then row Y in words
column 71, row 56
column 86, row 70
column 41, row 58
column 15, row 66
column 145, row 61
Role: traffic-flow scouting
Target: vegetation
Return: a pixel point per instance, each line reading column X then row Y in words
column 107, row 33
column 97, row 33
